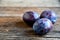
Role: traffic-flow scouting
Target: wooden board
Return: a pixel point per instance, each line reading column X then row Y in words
column 30, row 3
column 12, row 26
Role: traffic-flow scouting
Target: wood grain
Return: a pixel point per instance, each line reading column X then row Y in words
column 30, row 3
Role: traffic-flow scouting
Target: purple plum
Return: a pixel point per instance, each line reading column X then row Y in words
column 49, row 14
column 30, row 17
column 42, row 26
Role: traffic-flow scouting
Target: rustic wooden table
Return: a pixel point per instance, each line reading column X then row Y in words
column 12, row 26
column 30, row 3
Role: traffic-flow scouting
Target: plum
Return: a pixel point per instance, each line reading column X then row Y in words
column 30, row 17
column 42, row 26
column 50, row 15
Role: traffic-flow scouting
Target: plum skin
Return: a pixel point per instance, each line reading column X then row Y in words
column 30, row 17
column 50, row 15
column 42, row 26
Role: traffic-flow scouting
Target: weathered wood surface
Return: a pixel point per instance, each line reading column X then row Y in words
column 30, row 3
column 12, row 26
